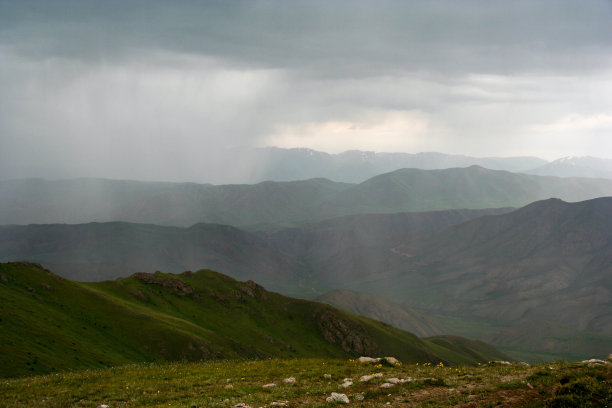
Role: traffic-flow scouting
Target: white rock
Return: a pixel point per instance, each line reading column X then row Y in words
column 335, row 397
column 395, row 381
column 595, row 361
column 327, row 376
column 365, row 378
column 289, row 380
column 279, row 403
column 392, row 360
column 378, row 375
column 503, row 362
column 386, row 385
column 103, row 406
column 359, row 397
column 269, row 385
column 346, row 384
column 367, row 360
column 242, row 405
column 228, row 386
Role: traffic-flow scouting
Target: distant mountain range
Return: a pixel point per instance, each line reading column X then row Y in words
column 267, row 204
column 576, row 167
column 255, row 165
column 51, row 324
column 353, row 166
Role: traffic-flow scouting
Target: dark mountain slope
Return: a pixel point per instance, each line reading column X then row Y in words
column 100, row 251
column 548, row 261
column 50, row 323
column 286, row 259
column 379, row 308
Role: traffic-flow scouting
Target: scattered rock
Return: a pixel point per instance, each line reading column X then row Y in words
column 269, row 385
column 522, row 363
column 335, row 397
column 365, row 378
column 242, row 405
column 395, row 381
column 391, row 361
column 103, row 406
column 289, row 380
column 327, row 376
column 229, row 386
column 359, row 397
column 347, row 383
column 386, row 385
column 279, row 403
column 364, row 360
column 378, row 375
column 503, row 362
column 595, row 362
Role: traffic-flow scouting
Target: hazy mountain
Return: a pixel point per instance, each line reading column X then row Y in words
column 576, row 167
column 355, row 246
column 50, row 324
column 548, row 261
column 354, row 166
column 182, row 204
column 379, row 308
column 286, row 259
column 101, row 251
column 472, row 187
column 281, row 203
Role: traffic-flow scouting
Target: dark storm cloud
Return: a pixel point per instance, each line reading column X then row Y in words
column 154, row 89
column 323, row 37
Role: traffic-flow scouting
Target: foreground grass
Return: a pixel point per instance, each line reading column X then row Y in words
column 224, row 384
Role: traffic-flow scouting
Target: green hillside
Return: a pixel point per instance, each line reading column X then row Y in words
column 50, row 323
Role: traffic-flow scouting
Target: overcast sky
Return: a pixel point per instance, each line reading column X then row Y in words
column 150, row 89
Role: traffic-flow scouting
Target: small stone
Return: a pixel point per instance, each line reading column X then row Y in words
column 359, row 397
column 327, row 376
column 395, row 380
column 269, row 385
column 242, row 405
column 279, row 403
column 103, row 406
column 228, row 386
column 365, row 378
column 335, row 397
column 346, row 384
column 522, row 363
column 392, row 361
column 364, row 360
column 503, row 362
column 595, row 361
column 386, row 385
column 289, row 380
column 378, row 375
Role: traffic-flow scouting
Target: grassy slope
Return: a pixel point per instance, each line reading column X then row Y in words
column 49, row 323
column 208, row 385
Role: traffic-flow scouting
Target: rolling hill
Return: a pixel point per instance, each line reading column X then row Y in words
column 268, row 204
column 51, row 323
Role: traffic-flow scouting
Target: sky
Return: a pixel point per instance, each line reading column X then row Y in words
column 152, row 90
